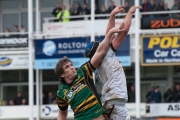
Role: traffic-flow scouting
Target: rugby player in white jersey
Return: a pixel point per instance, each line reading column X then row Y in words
column 110, row 72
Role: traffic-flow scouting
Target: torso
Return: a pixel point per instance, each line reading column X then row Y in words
column 81, row 96
column 112, row 76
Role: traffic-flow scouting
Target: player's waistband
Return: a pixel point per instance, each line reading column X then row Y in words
column 117, row 101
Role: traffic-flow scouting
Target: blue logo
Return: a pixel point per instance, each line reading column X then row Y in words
column 5, row 61
column 49, row 48
column 47, row 110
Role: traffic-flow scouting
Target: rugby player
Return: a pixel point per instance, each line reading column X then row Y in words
column 77, row 88
column 110, row 72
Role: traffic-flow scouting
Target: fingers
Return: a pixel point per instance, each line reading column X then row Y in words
column 121, row 9
column 120, row 6
column 139, row 7
column 121, row 26
column 121, row 30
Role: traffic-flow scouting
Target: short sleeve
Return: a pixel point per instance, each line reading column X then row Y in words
column 112, row 47
column 88, row 68
column 62, row 104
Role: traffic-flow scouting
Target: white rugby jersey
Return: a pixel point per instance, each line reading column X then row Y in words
column 112, row 77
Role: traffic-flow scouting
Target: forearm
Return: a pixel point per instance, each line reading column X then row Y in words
column 62, row 115
column 101, row 51
column 111, row 22
column 118, row 40
column 104, row 46
column 127, row 20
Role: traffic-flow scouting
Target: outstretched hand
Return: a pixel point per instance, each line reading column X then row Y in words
column 117, row 9
column 118, row 29
column 133, row 9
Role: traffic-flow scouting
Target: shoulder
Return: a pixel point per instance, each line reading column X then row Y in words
column 61, row 90
column 87, row 66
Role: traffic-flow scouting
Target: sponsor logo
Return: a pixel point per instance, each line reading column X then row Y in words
column 49, row 48
column 174, row 108
column 47, row 110
column 70, row 95
column 170, row 23
column 14, row 42
column 1, row 112
column 5, row 61
column 54, row 27
column 161, row 49
column 164, row 42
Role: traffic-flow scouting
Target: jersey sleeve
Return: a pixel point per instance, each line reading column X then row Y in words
column 62, row 104
column 112, row 48
column 88, row 68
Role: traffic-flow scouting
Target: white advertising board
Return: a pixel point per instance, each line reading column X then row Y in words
column 82, row 27
column 50, row 111
column 14, row 62
column 132, row 109
column 164, row 109
column 22, row 112
column 59, row 27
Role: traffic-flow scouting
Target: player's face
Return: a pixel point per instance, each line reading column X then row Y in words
column 69, row 71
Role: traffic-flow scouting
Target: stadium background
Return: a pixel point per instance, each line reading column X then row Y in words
column 14, row 56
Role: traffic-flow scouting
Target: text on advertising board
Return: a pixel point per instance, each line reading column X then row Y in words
column 161, row 49
column 165, row 24
column 11, row 42
column 160, row 22
column 49, row 51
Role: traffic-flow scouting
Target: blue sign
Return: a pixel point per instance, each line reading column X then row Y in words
column 161, row 50
column 49, row 51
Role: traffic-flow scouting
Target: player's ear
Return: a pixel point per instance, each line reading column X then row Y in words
column 62, row 75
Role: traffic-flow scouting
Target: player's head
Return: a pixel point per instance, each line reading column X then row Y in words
column 91, row 49
column 65, row 70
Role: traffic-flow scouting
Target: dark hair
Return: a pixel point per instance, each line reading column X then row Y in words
column 59, row 67
column 16, row 26
column 8, row 29
column 157, row 87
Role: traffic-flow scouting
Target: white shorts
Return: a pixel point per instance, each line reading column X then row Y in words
column 119, row 112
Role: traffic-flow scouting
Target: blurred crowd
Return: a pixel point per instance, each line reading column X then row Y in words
column 77, row 9
column 154, row 95
column 62, row 13
column 150, row 6
column 20, row 100
column 15, row 29
column 172, row 95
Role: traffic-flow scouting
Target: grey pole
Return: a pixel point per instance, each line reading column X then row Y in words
column 137, row 61
column 30, row 32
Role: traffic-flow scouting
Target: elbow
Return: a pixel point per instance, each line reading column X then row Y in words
column 126, row 31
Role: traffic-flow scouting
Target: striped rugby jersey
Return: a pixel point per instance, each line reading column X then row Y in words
column 81, row 95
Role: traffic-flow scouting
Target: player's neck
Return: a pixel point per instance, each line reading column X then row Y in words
column 69, row 81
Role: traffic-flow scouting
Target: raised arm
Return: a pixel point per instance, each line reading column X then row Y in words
column 103, row 47
column 62, row 115
column 127, row 23
column 111, row 22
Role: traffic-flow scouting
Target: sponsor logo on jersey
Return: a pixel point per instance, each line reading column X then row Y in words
column 70, row 95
